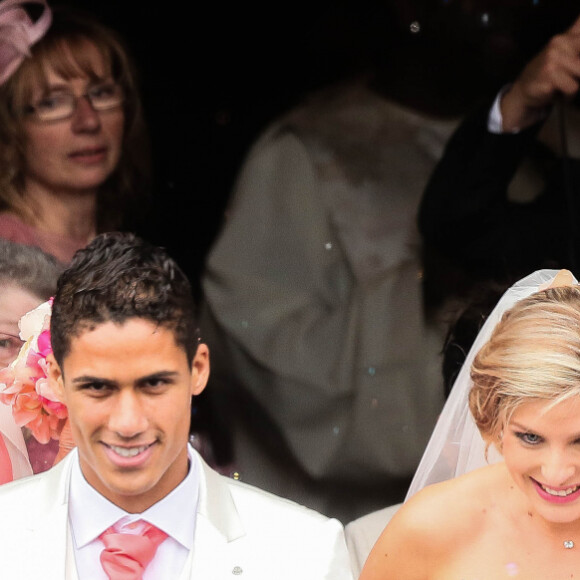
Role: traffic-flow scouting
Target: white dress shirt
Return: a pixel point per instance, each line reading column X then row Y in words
column 495, row 118
column 90, row 514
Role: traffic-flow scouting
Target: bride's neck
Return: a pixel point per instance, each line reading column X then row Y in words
column 561, row 532
column 553, row 533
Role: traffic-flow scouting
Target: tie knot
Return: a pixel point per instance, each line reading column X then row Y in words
column 128, row 552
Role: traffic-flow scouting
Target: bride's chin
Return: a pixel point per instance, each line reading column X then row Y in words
column 556, row 513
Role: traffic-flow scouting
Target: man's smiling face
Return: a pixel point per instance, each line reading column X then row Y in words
column 128, row 390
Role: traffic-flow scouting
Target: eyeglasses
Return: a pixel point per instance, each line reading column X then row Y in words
column 10, row 346
column 59, row 106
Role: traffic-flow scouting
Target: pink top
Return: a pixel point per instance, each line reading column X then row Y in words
column 41, row 455
column 61, row 247
column 5, row 463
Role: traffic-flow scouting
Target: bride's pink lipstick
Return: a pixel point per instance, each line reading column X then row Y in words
column 558, row 495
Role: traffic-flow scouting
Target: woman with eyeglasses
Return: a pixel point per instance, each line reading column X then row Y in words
column 73, row 155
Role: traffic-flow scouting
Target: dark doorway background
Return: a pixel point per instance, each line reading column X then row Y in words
column 214, row 74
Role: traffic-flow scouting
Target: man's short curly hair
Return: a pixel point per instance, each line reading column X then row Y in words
column 117, row 277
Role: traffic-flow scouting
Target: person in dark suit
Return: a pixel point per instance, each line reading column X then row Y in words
column 472, row 214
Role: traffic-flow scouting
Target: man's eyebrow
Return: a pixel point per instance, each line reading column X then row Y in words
column 156, row 376
column 84, row 379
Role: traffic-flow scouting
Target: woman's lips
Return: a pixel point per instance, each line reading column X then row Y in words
column 89, row 155
column 557, row 495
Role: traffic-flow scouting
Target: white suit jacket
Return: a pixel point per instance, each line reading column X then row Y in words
column 241, row 531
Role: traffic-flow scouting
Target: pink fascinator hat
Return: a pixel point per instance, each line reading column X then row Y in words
column 18, row 32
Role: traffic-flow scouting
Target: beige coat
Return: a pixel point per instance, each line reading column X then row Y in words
column 313, row 298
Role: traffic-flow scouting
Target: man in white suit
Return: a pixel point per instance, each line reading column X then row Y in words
column 126, row 361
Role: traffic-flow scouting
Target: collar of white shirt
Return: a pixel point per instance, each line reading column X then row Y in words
column 90, row 514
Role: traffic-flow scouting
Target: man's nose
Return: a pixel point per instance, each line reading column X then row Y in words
column 128, row 418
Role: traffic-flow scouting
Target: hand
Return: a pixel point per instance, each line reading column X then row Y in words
column 555, row 70
column 65, row 442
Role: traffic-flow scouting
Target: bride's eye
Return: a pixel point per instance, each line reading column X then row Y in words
column 529, row 438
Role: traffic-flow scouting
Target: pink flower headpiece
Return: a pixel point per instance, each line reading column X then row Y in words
column 24, row 384
column 18, row 33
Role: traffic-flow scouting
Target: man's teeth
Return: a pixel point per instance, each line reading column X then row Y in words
column 560, row 492
column 128, row 451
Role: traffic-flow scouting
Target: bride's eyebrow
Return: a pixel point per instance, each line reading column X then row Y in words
column 521, row 427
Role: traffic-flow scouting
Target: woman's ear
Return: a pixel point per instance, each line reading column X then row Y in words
column 200, row 369
column 55, row 377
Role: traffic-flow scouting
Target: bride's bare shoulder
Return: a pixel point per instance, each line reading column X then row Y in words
column 442, row 511
column 467, row 494
column 431, row 524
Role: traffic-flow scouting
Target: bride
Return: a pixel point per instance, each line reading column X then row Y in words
column 519, row 517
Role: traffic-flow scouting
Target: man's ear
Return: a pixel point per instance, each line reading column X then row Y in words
column 55, row 377
column 200, row 369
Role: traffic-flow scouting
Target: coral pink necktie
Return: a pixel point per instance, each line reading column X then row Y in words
column 126, row 555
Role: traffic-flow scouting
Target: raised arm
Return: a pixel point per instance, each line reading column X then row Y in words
column 554, row 71
column 465, row 213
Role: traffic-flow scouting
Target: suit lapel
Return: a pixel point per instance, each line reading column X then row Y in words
column 218, row 529
column 47, row 529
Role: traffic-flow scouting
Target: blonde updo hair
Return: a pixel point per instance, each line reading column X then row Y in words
column 533, row 354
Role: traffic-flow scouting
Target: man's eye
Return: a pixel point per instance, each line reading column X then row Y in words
column 99, row 388
column 156, row 383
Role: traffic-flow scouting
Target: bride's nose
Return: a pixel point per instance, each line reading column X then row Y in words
column 557, row 469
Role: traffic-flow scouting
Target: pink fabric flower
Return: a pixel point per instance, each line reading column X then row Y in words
column 18, row 33
column 24, row 384
column 44, row 347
